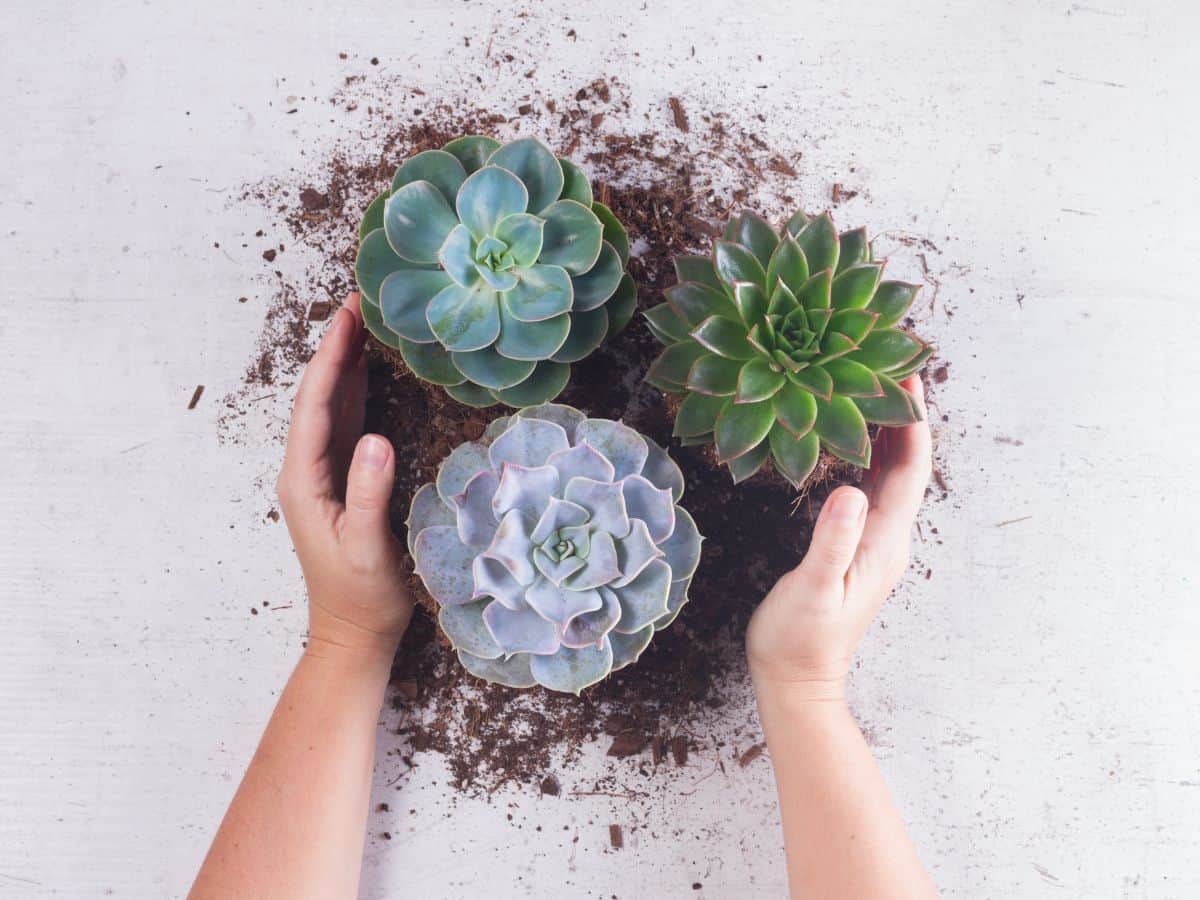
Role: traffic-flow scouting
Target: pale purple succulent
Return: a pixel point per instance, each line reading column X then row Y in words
column 554, row 547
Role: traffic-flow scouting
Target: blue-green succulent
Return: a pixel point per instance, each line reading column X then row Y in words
column 491, row 268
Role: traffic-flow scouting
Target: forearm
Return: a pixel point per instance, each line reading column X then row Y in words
column 843, row 836
column 295, row 827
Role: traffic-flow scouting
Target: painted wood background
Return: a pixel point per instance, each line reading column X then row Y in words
column 1034, row 703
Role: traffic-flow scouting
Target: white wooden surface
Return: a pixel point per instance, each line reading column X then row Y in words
column 1034, row 704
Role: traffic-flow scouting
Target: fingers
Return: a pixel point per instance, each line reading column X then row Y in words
column 366, row 527
column 314, row 415
column 834, row 541
column 904, row 466
column 896, row 493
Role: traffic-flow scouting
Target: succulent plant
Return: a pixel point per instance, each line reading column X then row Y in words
column 554, row 547
column 491, row 268
column 783, row 344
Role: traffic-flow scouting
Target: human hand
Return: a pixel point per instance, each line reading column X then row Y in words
column 334, row 490
column 804, row 634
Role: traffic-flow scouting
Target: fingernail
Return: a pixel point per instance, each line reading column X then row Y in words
column 338, row 323
column 847, row 507
column 373, row 452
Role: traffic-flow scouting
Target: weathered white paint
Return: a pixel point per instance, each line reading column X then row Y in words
column 1034, row 703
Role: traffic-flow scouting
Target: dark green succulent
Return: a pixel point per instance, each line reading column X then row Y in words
column 783, row 344
column 491, row 269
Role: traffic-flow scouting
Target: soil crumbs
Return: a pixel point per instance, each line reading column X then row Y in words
column 673, row 191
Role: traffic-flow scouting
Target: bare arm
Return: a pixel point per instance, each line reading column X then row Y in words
column 296, row 825
column 843, row 836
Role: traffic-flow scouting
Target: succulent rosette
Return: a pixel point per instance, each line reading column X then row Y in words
column 555, row 547
column 783, row 344
column 491, row 268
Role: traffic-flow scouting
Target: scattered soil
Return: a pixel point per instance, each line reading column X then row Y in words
column 673, row 190
column 196, row 395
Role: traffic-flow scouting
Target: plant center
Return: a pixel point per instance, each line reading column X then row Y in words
column 494, row 254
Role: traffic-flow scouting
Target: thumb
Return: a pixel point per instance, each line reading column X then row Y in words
column 835, row 538
column 369, row 492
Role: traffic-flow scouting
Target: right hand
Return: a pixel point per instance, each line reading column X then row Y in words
column 803, row 636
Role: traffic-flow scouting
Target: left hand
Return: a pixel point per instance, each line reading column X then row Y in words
column 335, row 489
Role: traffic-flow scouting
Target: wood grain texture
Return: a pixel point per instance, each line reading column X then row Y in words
column 1033, row 702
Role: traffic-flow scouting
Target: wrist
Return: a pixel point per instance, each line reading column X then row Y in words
column 331, row 630
column 355, row 662
column 822, row 689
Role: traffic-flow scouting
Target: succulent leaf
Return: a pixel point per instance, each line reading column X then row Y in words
column 853, row 379
column 735, row 263
column 489, row 369
column 441, row 169
column 373, row 318
column 759, row 380
column 789, row 346
column 795, row 224
column 815, row 380
column 795, row 409
column 855, row 286
column 545, row 383
column 714, row 375
column 431, row 362
column 465, row 318
column 593, row 288
column 697, row 415
column 621, row 306
column 471, row 394
column 403, row 298
column 537, row 168
column 842, row 428
column 472, row 150
column 723, row 337
column 698, row 268
column 895, row 408
column 554, row 547
column 751, row 302
column 587, row 331
column 694, row 302
column 376, row 261
column 749, row 463
column 887, row 349
column 794, row 458
column 892, row 300
column 488, row 196
column 614, row 231
column 621, row 445
column 572, row 238
column 854, row 249
column 521, row 234
column 787, row 264
column 575, row 183
column 819, row 241
column 742, row 426
column 466, row 629
column 444, row 564
column 417, row 219
column 666, row 324
column 752, row 231
column 373, row 217
column 531, row 341
column 816, row 292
